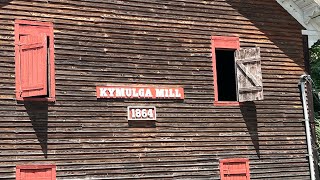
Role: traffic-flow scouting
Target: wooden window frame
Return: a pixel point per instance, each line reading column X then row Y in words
column 227, row 43
column 44, row 27
column 35, row 167
column 236, row 160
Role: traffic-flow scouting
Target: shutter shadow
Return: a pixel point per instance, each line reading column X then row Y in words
column 249, row 113
column 38, row 114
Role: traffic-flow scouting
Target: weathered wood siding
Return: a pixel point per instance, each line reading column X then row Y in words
column 163, row 42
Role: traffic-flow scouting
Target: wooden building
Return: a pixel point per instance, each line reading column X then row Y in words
column 73, row 71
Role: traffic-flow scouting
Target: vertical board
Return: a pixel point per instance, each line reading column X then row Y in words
column 33, row 65
column 249, row 76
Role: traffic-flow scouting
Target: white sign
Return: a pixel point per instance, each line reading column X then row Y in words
column 142, row 113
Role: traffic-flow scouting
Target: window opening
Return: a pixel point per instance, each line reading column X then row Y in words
column 48, row 66
column 226, row 77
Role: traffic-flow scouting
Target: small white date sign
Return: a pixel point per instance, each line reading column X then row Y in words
column 142, row 113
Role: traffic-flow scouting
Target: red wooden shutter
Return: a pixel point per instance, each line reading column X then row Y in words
column 249, row 76
column 36, row 172
column 33, row 65
column 234, row 169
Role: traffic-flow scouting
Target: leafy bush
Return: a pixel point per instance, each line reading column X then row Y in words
column 315, row 74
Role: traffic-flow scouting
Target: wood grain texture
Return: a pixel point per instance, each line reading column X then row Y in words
column 248, row 74
column 160, row 43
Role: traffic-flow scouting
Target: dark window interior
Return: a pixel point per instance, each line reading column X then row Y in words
column 48, row 69
column 227, row 90
column 48, row 66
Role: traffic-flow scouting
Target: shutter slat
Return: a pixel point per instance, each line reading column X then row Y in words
column 234, row 169
column 252, row 89
column 40, row 86
column 249, row 60
column 31, row 46
column 249, row 76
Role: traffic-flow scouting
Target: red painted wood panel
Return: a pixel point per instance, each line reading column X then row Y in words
column 234, row 169
column 30, row 32
column 36, row 172
column 136, row 92
column 225, row 42
column 33, row 64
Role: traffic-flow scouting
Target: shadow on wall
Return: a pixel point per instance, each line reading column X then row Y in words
column 284, row 32
column 38, row 114
column 4, row 2
column 249, row 113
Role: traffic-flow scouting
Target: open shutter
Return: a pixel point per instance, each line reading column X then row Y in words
column 249, row 76
column 33, row 65
column 234, row 169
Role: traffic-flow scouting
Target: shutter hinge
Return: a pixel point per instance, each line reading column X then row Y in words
column 19, row 92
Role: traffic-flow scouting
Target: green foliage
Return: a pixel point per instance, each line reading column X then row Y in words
column 315, row 74
column 315, row 64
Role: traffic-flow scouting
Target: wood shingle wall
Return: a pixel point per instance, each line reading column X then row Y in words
column 100, row 42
